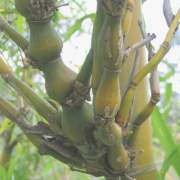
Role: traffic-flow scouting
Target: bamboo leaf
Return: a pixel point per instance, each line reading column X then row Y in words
column 11, row 168
column 165, row 137
column 171, row 71
column 5, row 125
column 169, row 161
column 77, row 25
column 2, row 173
column 166, row 102
column 167, row 95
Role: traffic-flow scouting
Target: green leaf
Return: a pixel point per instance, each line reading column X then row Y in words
column 5, row 125
column 170, row 73
column 77, row 25
column 3, row 173
column 166, row 102
column 163, row 133
column 167, row 94
column 19, row 24
column 169, row 161
column 12, row 165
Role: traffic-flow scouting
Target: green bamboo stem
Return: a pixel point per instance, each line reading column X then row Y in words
column 97, row 48
column 14, row 35
column 7, row 147
column 155, row 96
column 156, row 59
column 107, row 97
column 128, row 17
column 80, row 90
column 148, row 109
column 10, row 111
column 143, row 140
column 107, row 55
column 45, row 44
column 42, row 106
column 112, row 178
column 86, row 69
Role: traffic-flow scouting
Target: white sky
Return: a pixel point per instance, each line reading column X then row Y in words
column 75, row 50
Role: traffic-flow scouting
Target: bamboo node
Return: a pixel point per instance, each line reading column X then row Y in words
column 78, row 95
column 100, row 120
column 165, row 45
column 41, row 10
column 114, row 8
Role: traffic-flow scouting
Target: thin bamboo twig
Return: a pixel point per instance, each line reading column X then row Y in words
column 59, row 4
column 86, row 69
column 148, row 109
column 140, row 44
column 155, row 60
column 149, row 46
column 168, row 13
column 81, row 87
column 10, row 111
column 133, row 72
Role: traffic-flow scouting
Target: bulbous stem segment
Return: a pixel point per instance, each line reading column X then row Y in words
column 45, row 44
column 107, row 96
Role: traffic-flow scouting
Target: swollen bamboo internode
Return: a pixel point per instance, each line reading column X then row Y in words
column 95, row 137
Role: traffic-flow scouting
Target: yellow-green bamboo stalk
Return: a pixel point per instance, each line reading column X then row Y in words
column 143, row 140
column 127, row 101
column 14, row 35
column 44, row 108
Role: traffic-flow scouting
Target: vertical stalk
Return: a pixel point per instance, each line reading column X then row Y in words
column 143, row 140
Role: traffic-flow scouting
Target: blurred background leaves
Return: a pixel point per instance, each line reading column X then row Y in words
column 25, row 163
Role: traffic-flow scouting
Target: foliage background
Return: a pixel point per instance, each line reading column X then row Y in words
column 74, row 24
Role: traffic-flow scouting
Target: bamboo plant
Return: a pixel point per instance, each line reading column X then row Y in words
column 103, row 137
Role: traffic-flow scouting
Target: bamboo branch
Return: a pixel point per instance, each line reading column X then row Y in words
column 81, row 87
column 140, row 44
column 7, row 147
column 44, row 108
column 14, row 35
column 40, row 134
column 148, row 109
column 155, row 60
column 149, row 46
column 98, row 51
column 86, row 69
column 10, row 111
